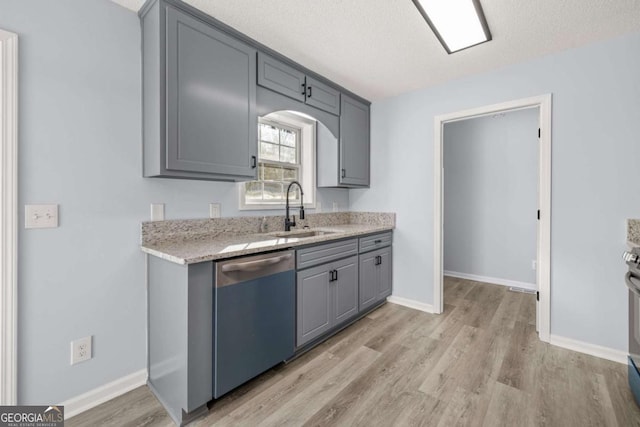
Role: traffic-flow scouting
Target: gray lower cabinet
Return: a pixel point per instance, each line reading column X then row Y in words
column 354, row 143
column 375, row 277
column 180, row 336
column 199, row 99
column 327, row 295
column 288, row 81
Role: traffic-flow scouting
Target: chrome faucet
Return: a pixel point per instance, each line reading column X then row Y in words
column 288, row 223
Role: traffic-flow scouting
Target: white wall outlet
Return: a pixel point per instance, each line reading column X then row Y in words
column 534, row 264
column 41, row 216
column 214, row 210
column 157, row 211
column 81, row 350
column 318, row 207
column 335, row 206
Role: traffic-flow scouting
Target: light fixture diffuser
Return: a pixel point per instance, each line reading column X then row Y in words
column 458, row 24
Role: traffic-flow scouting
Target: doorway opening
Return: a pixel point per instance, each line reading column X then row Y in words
column 542, row 105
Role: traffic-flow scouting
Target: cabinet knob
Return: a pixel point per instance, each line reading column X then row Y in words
column 344, row 173
column 253, row 162
column 304, row 88
column 309, row 92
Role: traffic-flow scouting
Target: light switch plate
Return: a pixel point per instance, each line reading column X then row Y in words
column 157, row 211
column 41, row 216
column 214, row 210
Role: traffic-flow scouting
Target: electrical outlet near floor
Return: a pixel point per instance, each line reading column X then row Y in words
column 81, row 350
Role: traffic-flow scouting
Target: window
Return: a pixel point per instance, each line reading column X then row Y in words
column 285, row 154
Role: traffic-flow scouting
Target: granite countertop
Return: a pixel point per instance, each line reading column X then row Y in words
column 633, row 233
column 189, row 246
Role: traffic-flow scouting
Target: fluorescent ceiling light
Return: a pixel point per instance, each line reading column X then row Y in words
column 458, row 24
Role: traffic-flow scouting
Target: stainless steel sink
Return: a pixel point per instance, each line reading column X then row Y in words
column 303, row 234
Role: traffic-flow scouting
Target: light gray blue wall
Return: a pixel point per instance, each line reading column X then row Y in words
column 80, row 146
column 490, row 195
column 596, row 177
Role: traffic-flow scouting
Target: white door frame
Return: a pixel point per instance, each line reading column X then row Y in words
column 543, row 270
column 8, row 217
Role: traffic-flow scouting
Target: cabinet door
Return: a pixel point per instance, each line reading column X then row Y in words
column 321, row 96
column 368, row 285
column 211, row 96
column 313, row 304
column 345, row 289
column 280, row 77
column 354, row 142
column 385, row 273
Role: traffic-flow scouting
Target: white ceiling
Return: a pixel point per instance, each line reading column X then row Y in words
column 381, row 48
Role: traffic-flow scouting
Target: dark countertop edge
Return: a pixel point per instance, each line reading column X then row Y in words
column 253, row 251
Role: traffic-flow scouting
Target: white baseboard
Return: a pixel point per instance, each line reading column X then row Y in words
column 95, row 397
column 428, row 308
column 590, row 349
column 492, row 280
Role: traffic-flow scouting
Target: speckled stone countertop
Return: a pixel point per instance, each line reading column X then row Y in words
column 200, row 240
column 633, row 232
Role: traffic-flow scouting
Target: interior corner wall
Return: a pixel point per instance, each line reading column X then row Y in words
column 491, row 195
column 80, row 146
column 595, row 177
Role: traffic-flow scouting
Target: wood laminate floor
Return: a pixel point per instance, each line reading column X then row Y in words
column 479, row 363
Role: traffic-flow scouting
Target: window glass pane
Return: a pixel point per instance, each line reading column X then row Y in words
column 272, row 173
column 268, row 133
column 288, row 155
column 287, row 137
column 289, row 174
column 294, row 193
column 269, row 151
column 273, row 191
column 253, row 191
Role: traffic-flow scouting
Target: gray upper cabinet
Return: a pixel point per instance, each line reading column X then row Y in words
column 199, row 98
column 344, row 161
column 354, row 143
column 321, row 96
column 281, row 78
column 288, row 81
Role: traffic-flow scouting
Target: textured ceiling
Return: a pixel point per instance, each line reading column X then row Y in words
column 380, row 48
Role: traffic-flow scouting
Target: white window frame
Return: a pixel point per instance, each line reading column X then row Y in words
column 306, row 151
column 8, row 217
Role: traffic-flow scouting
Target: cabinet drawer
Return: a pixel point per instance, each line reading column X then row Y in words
column 375, row 241
column 320, row 254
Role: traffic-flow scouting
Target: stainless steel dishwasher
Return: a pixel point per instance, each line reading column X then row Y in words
column 253, row 317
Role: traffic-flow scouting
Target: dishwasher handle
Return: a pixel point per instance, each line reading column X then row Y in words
column 239, row 270
column 255, row 265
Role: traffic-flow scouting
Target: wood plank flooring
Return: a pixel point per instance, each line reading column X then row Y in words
column 480, row 363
